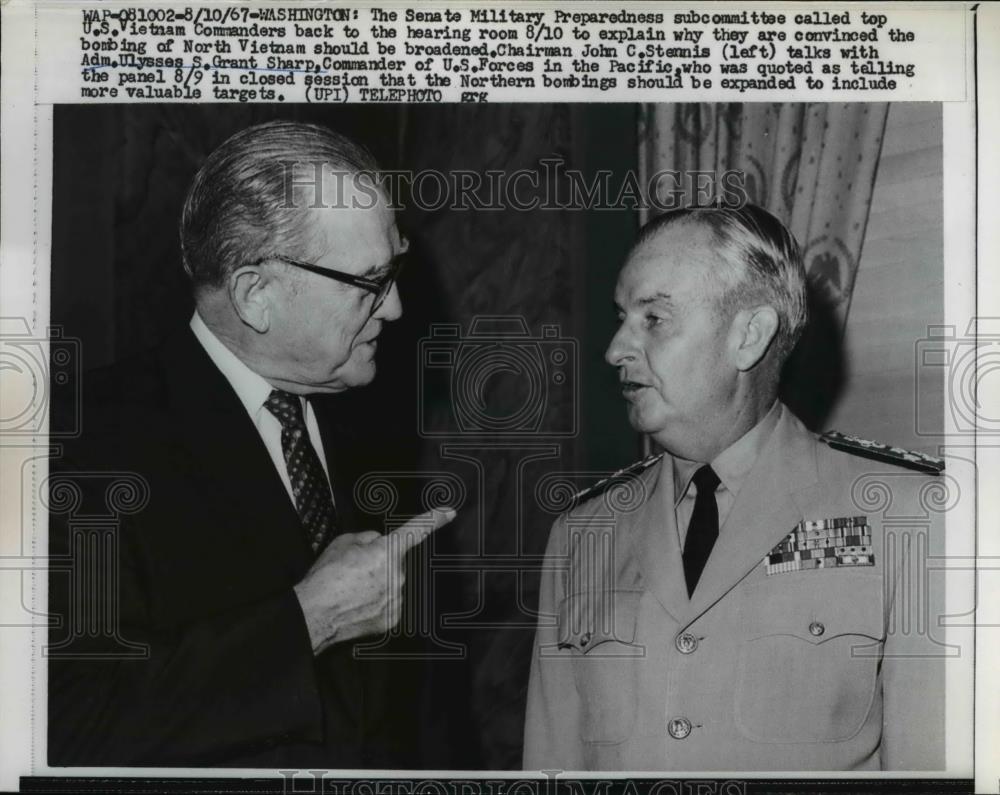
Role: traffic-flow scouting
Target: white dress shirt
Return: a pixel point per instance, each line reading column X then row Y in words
column 253, row 391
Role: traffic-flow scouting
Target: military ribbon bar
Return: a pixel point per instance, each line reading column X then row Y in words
column 823, row 544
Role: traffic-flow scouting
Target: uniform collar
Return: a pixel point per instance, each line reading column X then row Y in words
column 775, row 494
column 734, row 463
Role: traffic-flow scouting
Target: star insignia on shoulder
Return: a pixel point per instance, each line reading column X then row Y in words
column 886, row 453
column 615, row 477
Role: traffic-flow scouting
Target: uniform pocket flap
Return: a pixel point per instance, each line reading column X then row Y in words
column 853, row 608
column 588, row 619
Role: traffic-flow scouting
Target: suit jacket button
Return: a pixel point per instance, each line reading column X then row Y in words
column 679, row 728
column 686, row 643
column 816, row 629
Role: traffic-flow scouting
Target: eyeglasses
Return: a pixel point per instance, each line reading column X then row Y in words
column 380, row 288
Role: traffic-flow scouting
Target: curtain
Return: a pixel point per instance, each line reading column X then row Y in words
column 493, row 271
column 812, row 165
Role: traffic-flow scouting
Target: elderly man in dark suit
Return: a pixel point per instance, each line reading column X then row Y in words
column 236, row 589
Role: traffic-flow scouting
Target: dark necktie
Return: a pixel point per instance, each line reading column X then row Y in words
column 703, row 528
column 310, row 487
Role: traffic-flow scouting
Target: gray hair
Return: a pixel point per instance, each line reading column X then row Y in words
column 764, row 258
column 245, row 202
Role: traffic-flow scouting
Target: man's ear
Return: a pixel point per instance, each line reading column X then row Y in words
column 754, row 332
column 250, row 297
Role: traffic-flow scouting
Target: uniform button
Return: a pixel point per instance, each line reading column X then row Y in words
column 686, row 643
column 816, row 629
column 679, row 728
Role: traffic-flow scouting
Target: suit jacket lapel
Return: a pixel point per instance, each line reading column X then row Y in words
column 765, row 511
column 361, row 685
column 232, row 464
column 657, row 547
column 337, row 450
column 237, row 474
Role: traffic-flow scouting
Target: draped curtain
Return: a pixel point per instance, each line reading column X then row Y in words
column 522, row 266
column 812, row 165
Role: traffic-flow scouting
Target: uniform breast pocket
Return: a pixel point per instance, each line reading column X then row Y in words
column 807, row 670
column 600, row 628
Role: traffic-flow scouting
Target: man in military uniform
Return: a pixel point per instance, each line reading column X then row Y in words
column 742, row 603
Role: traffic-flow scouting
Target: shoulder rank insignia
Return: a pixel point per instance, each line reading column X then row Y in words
column 823, row 544
column 884, row 452
column 604, row 483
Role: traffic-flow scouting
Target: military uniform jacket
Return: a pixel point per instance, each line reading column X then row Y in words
column 769, row 666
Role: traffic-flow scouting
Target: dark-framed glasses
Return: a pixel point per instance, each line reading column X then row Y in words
column 380, row 288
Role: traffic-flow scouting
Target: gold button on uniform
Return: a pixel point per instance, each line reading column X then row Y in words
column 816, row 629
column 679, row 728
column 686, row 643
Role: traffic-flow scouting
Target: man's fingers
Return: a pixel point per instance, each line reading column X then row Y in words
column 340, row 542
column 419, row 527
